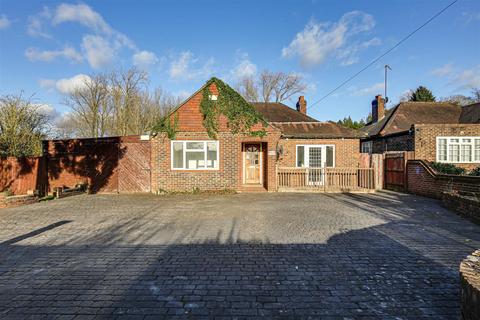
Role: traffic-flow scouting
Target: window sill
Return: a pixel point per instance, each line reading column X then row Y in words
column 453, row 162
column 194, row 170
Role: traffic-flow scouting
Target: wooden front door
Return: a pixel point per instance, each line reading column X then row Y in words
column 253, row 163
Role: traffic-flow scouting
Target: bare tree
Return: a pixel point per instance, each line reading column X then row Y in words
column 458, row 99
column 153, row 107
column 126, row 90
column 90, row 107
column 116, row 104
column 248, row 89
column 66, row 127
column 288, row 85
column 406, row 96
column 268, row 81
column 22, row 126
column 276, row 86
column 476, row 94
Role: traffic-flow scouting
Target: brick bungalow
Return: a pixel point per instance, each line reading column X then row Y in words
column 434, row 131
column 241, row 161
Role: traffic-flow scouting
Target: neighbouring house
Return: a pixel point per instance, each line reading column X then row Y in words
column 244, row 162
column 434, row 131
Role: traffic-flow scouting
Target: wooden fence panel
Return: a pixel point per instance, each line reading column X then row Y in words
column 20, row 175
column 326, row 179
column 134, row 167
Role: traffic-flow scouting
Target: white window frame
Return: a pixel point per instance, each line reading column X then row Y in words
column 460, row 143
column 204, row 150
column 306, row 152
column 366, row 143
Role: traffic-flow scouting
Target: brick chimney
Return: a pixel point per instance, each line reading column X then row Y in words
column 302, row 105
column 378, row 108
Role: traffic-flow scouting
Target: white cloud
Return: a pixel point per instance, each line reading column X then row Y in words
column 69, row 85
column 244, row 68
column 98, row 51
column 349, row 55
column 318, row 41
column 183, row 94
column 443, row 71
column 47, row 83
column 100, row 48
column 4, row 22
column 471, row 16
column 86, row 16
column 36, row 24
column 66, row 85
column 374, row 89
column 179, row 67
column 69, row 53
column 468, row 78
column 460, row 79
column 186, row 67
column 144, row 59
column 82, row 14
column 48, row 110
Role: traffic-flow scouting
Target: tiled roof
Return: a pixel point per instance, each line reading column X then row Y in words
column 405, row 114
column 294, row 124
column 470, row 114
column 324, row 130
column 278, row 112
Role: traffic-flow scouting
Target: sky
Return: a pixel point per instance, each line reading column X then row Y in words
column 48, row 47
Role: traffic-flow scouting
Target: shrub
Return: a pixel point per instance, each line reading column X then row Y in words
column 475, row 172
column 447, row 168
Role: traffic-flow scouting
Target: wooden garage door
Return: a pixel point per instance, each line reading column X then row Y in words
column 134, row 167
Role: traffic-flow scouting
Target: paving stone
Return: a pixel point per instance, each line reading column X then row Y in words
column 247, row 256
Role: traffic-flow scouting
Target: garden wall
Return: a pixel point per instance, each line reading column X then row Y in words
column 422, row 180
column 470, row 286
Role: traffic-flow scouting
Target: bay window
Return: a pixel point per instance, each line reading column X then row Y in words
column 458, row 149
column 194, row 155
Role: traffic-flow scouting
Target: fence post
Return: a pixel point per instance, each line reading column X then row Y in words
column 325, row 178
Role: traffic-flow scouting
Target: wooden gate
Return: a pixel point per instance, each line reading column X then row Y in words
column 107, row 165
column 396, row 170
column 134, row 167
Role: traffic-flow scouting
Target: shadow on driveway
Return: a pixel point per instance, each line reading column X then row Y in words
column 358, row 273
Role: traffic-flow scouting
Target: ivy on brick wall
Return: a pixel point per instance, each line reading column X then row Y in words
column 240, row 114
column 165, row 125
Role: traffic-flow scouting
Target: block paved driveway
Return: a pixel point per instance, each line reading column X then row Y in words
column 384, row 255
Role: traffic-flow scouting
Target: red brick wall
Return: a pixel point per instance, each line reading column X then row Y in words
column 426, row 134
column 230, row 172
column 347, row 151
column 423, row 181
column 190, row 119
